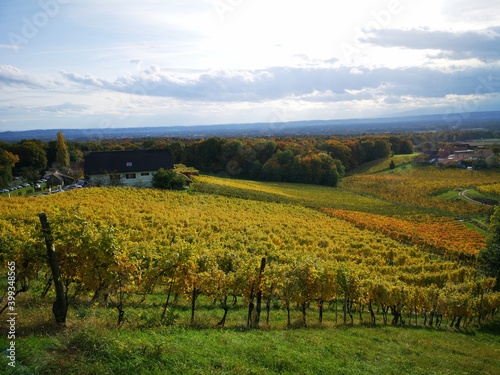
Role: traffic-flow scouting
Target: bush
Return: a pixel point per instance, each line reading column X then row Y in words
column 168, row 179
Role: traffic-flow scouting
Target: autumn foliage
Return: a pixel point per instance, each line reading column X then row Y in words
column 443, row 236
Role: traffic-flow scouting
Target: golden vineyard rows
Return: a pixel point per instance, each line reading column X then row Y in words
column 121, row 241
column 444, row 236
column 491, row 189
column 420, row 187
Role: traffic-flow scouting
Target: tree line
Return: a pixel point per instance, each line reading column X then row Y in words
column 313, row 160
column 32, row 157
column 318, row 159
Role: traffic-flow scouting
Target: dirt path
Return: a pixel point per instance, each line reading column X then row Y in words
column 463, row 195
column 489, row 202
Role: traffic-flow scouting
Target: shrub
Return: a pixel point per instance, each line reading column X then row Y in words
column 168, row 179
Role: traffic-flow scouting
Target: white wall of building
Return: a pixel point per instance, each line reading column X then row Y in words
column 135, row 179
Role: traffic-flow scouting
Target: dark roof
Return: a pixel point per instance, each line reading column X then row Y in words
column 101, row 162
column 57, row 177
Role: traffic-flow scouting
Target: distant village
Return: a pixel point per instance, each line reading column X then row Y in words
column 460, row 155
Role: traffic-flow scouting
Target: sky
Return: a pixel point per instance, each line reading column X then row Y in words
column 122, row 63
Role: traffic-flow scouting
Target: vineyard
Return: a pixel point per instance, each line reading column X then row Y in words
column 311, row 196
column 421, row 187
column 236, row 253
column 491, row 189
column 122, row 242
column 443, row 236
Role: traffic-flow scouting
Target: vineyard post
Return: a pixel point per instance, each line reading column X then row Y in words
column 59, row 307
column 259, row 293
column 194, row 296
column 336, row 309
column 251, row 297
column 165, row 306
column 250, row 308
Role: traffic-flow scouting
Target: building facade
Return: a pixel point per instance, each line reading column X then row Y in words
column 129, row 168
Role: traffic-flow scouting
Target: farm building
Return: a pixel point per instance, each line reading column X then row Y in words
column 58, row 179
column 131, row 168
column 461, row 156
column 472, row 158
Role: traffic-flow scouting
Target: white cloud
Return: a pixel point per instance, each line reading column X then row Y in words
column 483, row 44
column 137, row 62
column 65, row 108
column 12, row 76
column 87, row 79
column 477, row 11
column 281, row 82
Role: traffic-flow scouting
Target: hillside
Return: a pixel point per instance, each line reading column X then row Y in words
column 402, row 123
column 379, row 271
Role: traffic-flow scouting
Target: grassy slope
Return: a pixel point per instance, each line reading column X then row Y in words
column 358, row 350
column 380, row 165
column 312, row 196
column 405, row 191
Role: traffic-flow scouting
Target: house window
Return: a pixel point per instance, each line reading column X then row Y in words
column 130, row 176
column 128, row 164
column 145, row 174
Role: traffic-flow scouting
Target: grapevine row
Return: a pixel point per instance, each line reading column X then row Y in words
column 444, row 236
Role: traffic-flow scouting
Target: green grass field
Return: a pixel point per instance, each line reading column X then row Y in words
column 358, row 350
column 383, row 165
column 91, row 344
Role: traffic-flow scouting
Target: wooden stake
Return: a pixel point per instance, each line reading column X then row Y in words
column 59, row 307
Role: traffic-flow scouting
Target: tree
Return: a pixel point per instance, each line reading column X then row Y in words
column 308, row 287
column 489, row 258
column 320, row 169
column 207, row 154
column 30, row 175
column 32, row 154
column 167, row 179
column 381, row 148
column 271, row 170
column 62, row 153
column 341, row 151
column 395, row 144
column 264, row 150
column 406, row 147
column 7, row 162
